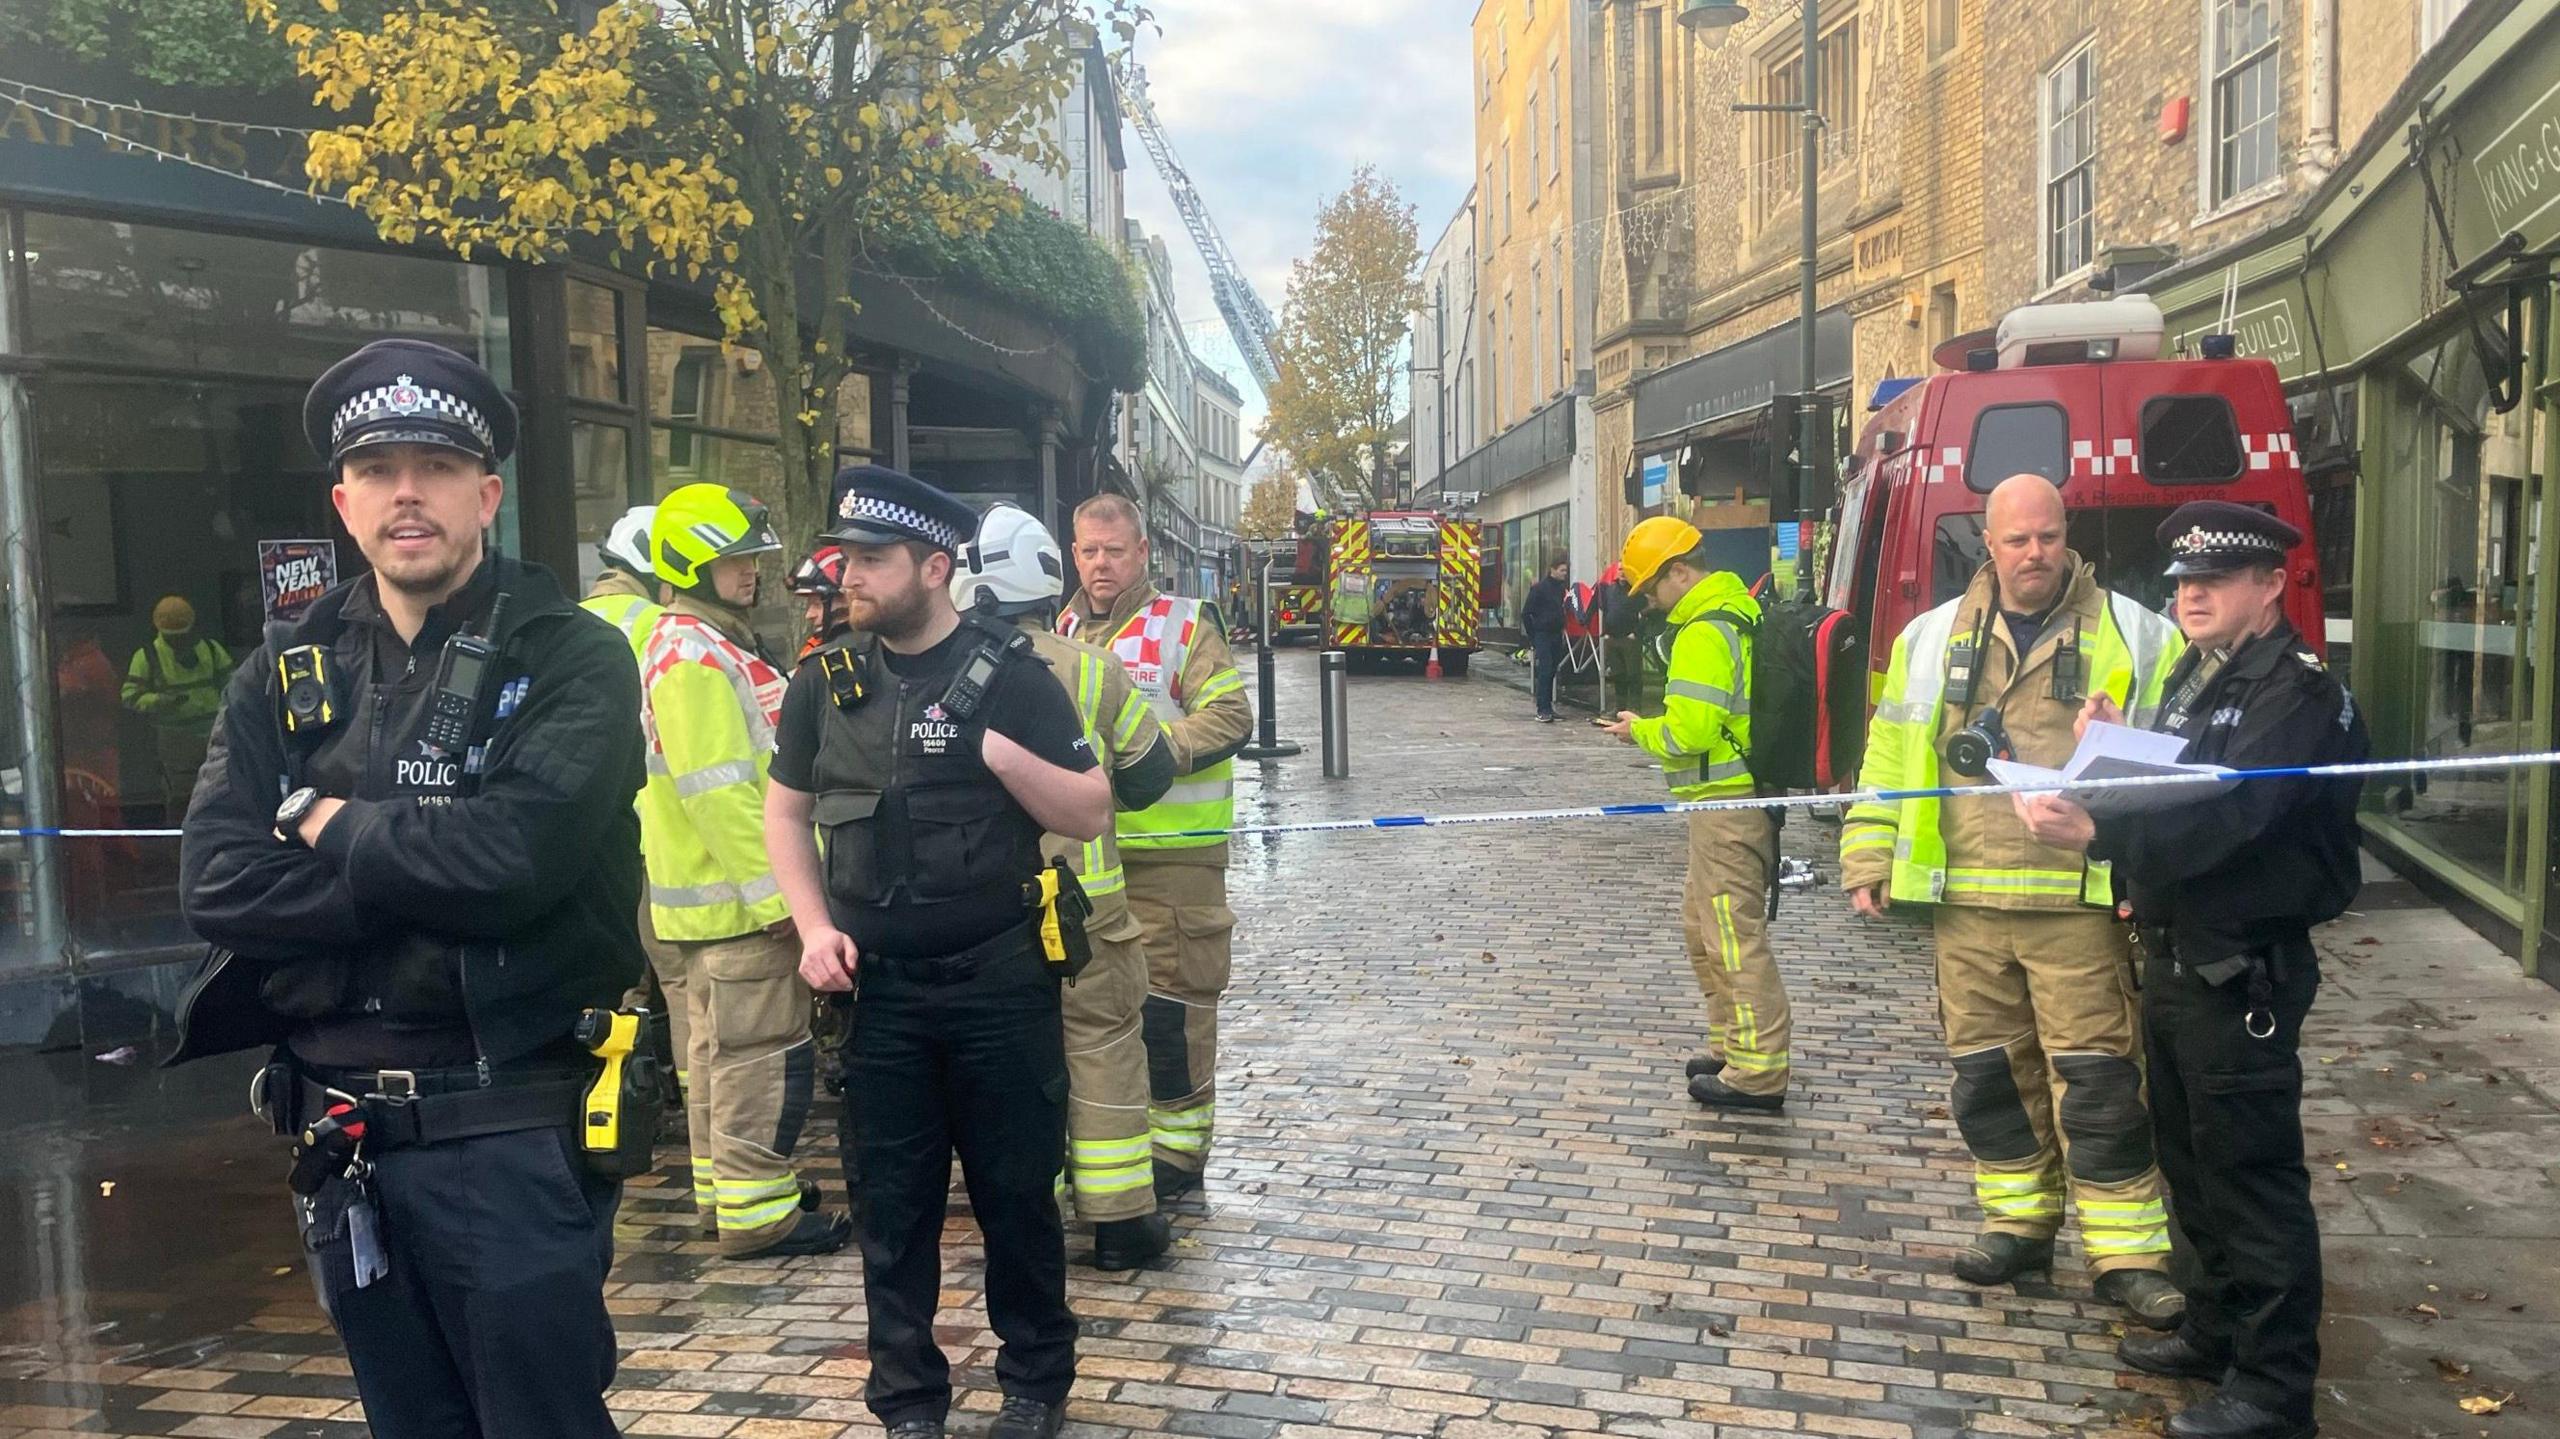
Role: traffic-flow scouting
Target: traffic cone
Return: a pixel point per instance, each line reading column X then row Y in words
column 1431, row 666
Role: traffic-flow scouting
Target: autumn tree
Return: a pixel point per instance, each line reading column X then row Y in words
column 1341, row 386
column 1271, row 507
column 762, row 144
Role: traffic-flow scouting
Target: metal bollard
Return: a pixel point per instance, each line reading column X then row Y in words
column 1333, row 693
column 1270, row 745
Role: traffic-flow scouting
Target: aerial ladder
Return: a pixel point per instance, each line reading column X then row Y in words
column 1248, row 319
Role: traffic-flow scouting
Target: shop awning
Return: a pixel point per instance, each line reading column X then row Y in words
column 1685, row 400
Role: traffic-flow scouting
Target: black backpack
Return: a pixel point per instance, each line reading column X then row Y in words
column 1808, row 695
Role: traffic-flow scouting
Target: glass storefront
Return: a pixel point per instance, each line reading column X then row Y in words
column 2444, row 626
column 1527, row 542
column 165, row 435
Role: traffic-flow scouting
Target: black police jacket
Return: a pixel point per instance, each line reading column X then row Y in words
column 513, row 892
column 2248, row 865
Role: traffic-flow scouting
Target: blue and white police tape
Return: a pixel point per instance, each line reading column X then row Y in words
column 2365, row 770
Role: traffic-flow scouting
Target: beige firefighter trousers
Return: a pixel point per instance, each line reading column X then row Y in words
column 1109, row 1168
column 750, row 1075
column 2040, row 1018
column 1189, row 929
column 1724, row 919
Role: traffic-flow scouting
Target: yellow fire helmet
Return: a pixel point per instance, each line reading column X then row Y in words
column 701, row 523
column 1653, row 544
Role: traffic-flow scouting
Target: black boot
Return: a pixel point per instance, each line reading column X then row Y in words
column 2223, row 1417
column 2172, row 1356
column 1997, row 1258
column 1173, row 1181
column 917, row 1429
column 1706, row 1064
column 1124, row 1244
column 813, row 1233
column 2146, row 1296
column 1027, row 1419
column 1714, row 1093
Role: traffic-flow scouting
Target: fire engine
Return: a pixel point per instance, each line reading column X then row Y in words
column 1400, row 583
column 2077, row 393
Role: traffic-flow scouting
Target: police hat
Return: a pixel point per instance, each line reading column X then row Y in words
column 876, row 505
column 409, row 392
column 2211, row 537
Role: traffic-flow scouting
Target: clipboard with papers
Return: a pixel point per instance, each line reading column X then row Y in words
column 2114, row 751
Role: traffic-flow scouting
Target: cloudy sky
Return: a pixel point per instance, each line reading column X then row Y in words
column 1270, row 104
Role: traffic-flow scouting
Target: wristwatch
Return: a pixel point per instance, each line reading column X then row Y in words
column 289, row 814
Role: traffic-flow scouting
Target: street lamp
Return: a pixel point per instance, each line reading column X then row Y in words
column 1708, row 17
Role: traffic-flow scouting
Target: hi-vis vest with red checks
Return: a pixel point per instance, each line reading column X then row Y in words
column 1154, row 646
column 709, row 707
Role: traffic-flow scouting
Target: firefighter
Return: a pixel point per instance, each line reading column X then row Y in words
column 2224, row 889
column 422, row 922
column 1703, row 739
column 1014, row 570
column 626, row 593
column 1176, row 653
column 719, row 933
column 934, row 752
column 2035, row 986
column 819, row 582
column 175, row 680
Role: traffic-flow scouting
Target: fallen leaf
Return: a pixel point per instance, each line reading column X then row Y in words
column 1718, row 1330
column 2418, row 1077
column 2483, row 1404
column 1463, row 1060
column 2450, row 1369
column 281, row 1270
column 106, row 1188
column 2476, row 1296
column 2426, row 1311
column 1487, row 956
column 2491, row 1079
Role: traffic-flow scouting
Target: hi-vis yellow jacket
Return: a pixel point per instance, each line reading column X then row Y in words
column 626, row 602
column 1703, row 735
column 1975, row 851
column 709, row 704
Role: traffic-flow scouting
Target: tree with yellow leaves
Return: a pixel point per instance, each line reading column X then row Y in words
column 1334, row 408
column 765, row 144
column 1271, row 508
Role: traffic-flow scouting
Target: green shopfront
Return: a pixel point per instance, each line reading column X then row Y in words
column 2410, row 309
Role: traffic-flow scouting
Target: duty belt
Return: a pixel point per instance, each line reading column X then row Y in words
column 419, row 1106
column 954, row 968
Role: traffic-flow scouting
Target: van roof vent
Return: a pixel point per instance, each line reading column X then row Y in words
column 2126, row 328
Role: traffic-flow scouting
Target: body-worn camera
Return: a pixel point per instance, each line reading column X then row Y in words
column 302, row 676
column 1971, row 750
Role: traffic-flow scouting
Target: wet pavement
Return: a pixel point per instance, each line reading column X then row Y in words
column 1457, row 1188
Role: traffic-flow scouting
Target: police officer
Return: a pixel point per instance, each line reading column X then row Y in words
column 2224, row 890
column 1014, row 570
column 1703, row 741
column 450, row 881
column 933, row 754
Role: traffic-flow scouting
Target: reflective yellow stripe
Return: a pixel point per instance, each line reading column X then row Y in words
column 1218, row 686
column 1133, row 718
column 702, row 896
column 1728, row 943
column 1183, row 1131
column 1855, row 837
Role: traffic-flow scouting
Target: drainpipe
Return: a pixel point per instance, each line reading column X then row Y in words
column 2320, row 89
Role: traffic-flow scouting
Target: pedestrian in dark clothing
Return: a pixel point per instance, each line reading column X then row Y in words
column 1542, row 616
column 2224, row 890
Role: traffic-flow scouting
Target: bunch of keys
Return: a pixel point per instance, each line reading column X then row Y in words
column 331, row 1147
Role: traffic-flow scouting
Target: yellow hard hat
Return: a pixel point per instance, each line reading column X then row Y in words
column 173, row 615
column 1653, row 544
column 697, row 524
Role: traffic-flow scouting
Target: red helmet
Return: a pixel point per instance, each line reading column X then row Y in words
column 820, row 574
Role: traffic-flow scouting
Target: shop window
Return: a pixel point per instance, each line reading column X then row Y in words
column 2018, row 440
column 595, row 342
column 2191, row 440
column 101, row 292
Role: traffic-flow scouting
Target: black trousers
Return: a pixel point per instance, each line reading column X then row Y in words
column 2227, row 1108
column 491, row 1322
column 1546, row 656
column 978, row 1067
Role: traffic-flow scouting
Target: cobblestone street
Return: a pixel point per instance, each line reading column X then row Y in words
column 1458, row 1189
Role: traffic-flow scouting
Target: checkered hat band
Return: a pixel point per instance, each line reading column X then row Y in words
column 2195, row 542
column 404, row 399
column 862, row 509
